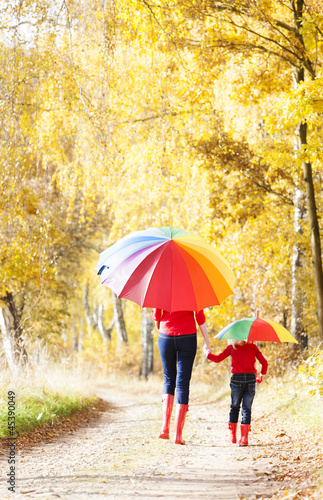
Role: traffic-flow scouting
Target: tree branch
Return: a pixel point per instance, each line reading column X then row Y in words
column 263, row 37
column 249, row 46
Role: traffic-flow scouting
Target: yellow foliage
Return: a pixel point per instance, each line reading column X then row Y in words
column 100, row 121
column 311, row 373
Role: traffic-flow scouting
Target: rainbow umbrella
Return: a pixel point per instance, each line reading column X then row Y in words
column 256, row 329
column 166, row 268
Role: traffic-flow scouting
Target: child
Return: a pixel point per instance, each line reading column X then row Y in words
column 243, row 382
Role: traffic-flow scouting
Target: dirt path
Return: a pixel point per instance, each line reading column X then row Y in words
column 120, row 457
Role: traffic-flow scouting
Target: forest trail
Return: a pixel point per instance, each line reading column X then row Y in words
column 119, row 456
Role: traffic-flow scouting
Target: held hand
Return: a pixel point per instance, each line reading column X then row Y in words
column 206, row 350
column 259, row 379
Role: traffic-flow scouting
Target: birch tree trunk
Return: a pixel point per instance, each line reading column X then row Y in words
column 74, row 339
column 147, row 325
column 7, row 344
column 13, row 343
column 105, row 332
column 95, row 319
column 80, row 340
column 297, row 327
column 90, row 318
column 119, row 320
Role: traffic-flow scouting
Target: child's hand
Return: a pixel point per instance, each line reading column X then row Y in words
column 259, row 379
column 206, row 350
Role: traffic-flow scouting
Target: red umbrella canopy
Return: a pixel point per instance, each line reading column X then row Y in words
column 166, row 268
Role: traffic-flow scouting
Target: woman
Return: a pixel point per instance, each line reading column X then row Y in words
column 177, row 346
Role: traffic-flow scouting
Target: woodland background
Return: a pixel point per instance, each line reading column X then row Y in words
column 119, row 115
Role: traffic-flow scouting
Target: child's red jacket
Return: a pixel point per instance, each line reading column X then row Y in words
column 243, row 358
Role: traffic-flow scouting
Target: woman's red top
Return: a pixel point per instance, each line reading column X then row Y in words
column 243, row 358
column 178, row 322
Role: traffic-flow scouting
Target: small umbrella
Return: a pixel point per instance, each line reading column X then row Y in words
column 166, row 268
column 256, row 329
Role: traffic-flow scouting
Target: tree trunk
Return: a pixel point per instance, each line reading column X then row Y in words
column 315, row 230
column 74, row 339
column 119, row 320
column 80, row 344
column 95, row 319
column 7, row 344
column 311, row 208
column 147, row 325
column 90, row 318
column 105, row 332
column 297, row 327
column 13, row 343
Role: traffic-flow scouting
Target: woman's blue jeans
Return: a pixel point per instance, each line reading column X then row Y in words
column 243, row 389
column 177, row 354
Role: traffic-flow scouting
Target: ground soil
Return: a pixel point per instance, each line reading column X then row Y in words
column 114, row 452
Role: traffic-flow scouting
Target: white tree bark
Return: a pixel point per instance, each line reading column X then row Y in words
column 7, row 344
column 119, row 320
column 147, row 325
column 297, row 328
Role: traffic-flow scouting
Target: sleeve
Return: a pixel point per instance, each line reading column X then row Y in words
column 156, row 314
column 262, row 360
column 220, row 357
column 200, row 317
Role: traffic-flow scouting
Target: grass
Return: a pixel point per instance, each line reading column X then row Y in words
column 292, row 403
column 45, row 392
column 38, row 410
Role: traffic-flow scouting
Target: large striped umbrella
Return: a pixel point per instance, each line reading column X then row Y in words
column 256, row 329
column 166, row 268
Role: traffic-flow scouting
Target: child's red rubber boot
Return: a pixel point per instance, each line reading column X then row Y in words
column 180, row 415
column 168, row 401
column 245, row 428
column 233, row 432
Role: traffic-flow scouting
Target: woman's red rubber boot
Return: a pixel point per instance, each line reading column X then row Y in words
column 168, row 401
column 245, row 428
column 233, row 432
column 180, row 415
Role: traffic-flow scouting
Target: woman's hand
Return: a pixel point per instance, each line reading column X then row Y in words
column 206, row 350
column 205, row 334
column 259, row 379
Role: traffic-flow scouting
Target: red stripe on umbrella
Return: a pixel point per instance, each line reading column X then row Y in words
column 171, row 285
column 262, row 331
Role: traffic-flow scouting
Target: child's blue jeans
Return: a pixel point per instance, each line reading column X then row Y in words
column 243, row 389
column 177, row 354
